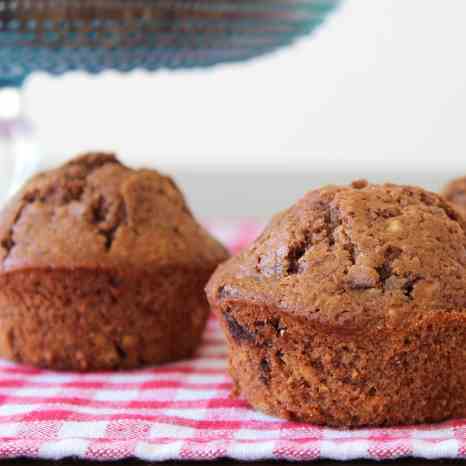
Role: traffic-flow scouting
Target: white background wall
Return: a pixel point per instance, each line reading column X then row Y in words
column 382, row 86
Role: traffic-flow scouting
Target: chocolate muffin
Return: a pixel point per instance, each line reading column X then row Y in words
column 350, row 309
column 455, row 192
column 102, row 267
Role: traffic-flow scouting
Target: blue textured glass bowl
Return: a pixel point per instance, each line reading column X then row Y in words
column 57, row 36
column 94, row 35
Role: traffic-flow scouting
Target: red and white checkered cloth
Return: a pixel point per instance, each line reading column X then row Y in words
column 183, row 411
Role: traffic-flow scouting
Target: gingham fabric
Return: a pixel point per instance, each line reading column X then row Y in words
column 183, row 411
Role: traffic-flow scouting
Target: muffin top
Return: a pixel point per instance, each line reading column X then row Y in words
column 455, row 192
column 352, row 256
column 95, row 212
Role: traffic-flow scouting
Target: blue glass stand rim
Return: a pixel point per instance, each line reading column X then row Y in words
column 179, row 37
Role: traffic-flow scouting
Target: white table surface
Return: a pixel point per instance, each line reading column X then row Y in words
column 254, row 194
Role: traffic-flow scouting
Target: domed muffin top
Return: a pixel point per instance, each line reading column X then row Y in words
column 351, row 255
column 455, row 192
column 96, row 212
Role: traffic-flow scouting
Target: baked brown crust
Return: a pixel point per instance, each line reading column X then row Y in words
column 455, row 193
column 102, row 267
column 350, row 309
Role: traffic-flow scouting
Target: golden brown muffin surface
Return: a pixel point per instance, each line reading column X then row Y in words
column 455, row 193
column 102, row 267
column 350, row 309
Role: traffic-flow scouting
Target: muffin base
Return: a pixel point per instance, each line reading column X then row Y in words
column 298, row 369
column 84, row 320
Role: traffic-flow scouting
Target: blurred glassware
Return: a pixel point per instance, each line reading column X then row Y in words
column 95, row 35
column 18, row 147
